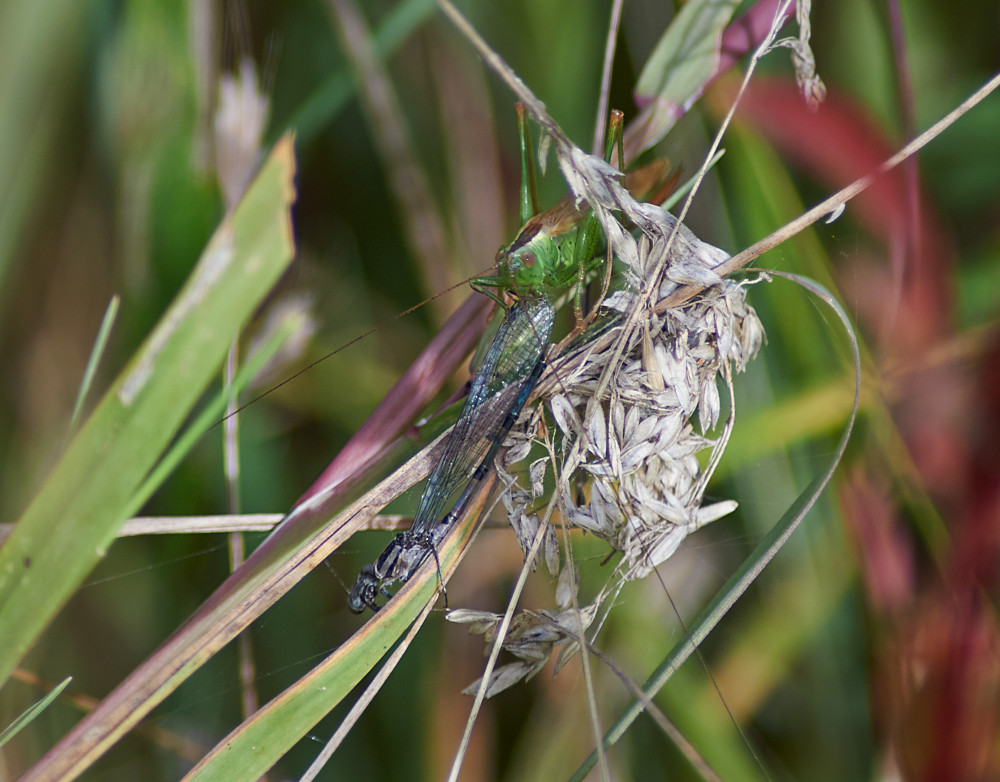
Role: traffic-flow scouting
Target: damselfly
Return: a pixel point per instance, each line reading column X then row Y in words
column 510, row 369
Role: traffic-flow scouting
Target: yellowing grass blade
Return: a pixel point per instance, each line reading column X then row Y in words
column 73, row 519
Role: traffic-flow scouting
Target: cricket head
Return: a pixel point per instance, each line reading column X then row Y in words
column 534, row 261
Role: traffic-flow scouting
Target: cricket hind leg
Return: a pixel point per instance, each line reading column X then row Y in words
column 527, row 202
column 529, row 196
column 589, row 232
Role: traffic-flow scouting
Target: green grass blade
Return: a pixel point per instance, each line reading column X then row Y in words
column 256, row 745
column 307, row 536
column 211, row 414
column 683, row 60
column 69, row 525
column 25, row 718
column 107, row 322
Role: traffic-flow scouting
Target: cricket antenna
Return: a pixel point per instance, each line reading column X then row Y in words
column 346, row 345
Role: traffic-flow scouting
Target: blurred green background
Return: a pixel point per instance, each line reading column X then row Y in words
column 107, row 161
